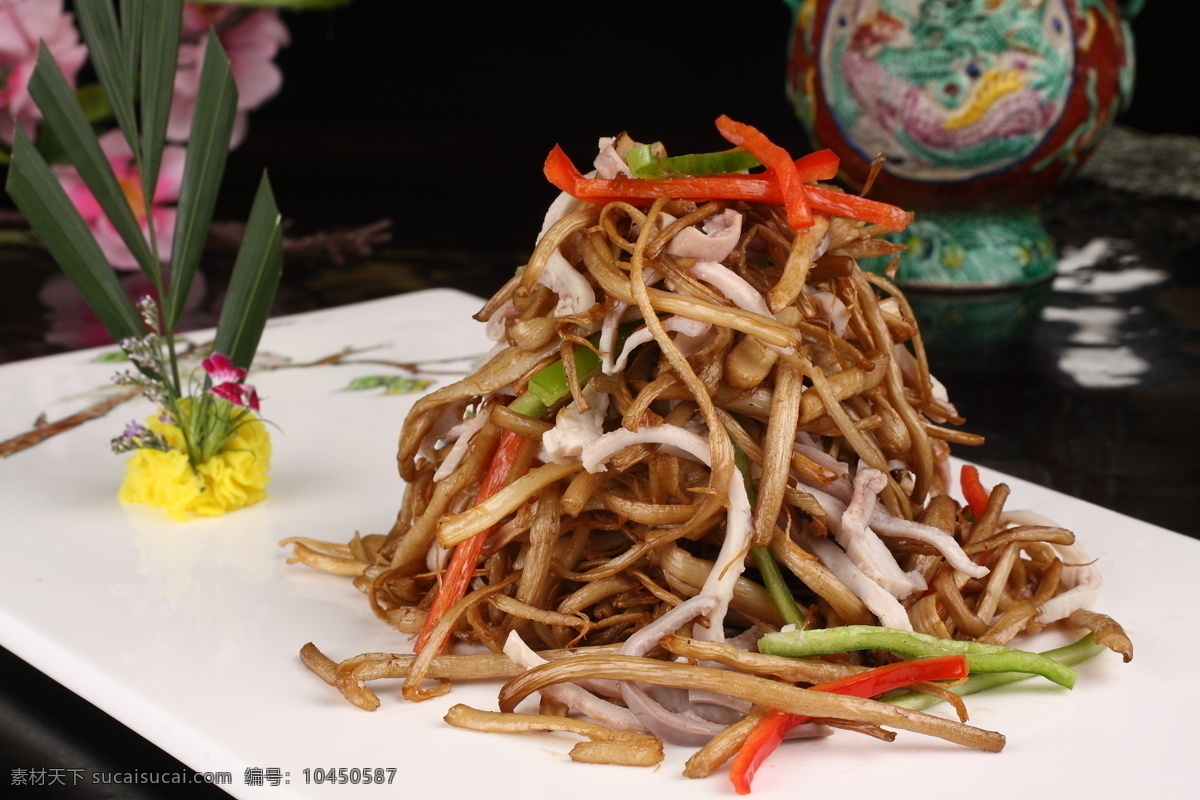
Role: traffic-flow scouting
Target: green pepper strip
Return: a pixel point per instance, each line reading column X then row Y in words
column 1069, row 655
column 982, row 657
column 642, row 164
column 768, row 567
column 528, row 404
column 549, row 386
column 773, row 580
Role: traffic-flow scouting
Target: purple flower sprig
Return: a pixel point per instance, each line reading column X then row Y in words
column 136, row 437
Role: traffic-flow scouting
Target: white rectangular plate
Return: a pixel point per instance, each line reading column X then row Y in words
column 189, row 633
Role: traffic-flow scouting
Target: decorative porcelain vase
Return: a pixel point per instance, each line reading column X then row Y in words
column 980, row 107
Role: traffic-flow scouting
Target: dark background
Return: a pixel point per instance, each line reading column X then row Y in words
column 440, row 117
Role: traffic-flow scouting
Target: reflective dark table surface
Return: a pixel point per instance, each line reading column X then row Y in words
column 1089, row 384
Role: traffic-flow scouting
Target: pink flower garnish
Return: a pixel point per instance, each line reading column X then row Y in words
column 233, row 392
column 227, row 381
column 251, row 45
column 221, row 369
column 22, row 24
column 170, row 176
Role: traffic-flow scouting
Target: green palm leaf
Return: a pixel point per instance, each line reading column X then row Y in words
column 48, row 87
column 131, row 35
column 208, row 148
column 160, row 23
column 98, row 21
column 254, row 282
column 40, row 197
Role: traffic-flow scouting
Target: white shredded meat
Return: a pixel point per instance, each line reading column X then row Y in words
column 609, row 163
column 451, row 416
column 1082, row 577
column 877, row 600
column 736, row 290
column 496, row 325
column 885, row 524
column 692, row 335
column 881, row 522
column 730, row 561
column 573, row 695
column 610, row 325
column 1079, row 574
column 460, row 435
column 862, row 546
column 832, row 307
column 713, row 240
column 734, row 287
column 678, row 724
column 575, row 292
column 574, row 428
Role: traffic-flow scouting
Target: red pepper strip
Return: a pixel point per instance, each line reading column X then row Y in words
column 458, row 572
column 767, row 735
column 753, row 188
column 973, row 491
column 565, row 176
column 778, row 163
column 821, row 165
column 853, row 206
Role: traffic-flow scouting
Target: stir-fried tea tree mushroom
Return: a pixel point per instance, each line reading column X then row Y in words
column 702, row 421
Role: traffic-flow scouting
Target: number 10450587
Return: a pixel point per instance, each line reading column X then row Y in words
column 349, row 775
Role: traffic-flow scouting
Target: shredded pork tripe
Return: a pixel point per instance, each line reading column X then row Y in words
column 708, row 398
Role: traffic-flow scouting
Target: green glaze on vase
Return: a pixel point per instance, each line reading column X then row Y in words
column 985, row 249
column 980, row 107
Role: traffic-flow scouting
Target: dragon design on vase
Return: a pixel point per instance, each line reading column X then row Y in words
column 980, row 107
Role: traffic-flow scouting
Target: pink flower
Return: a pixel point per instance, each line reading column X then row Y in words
column 221, row 369
column 170, row 175
column 251, row 42
column 233, row 392
column 239, row 395
column 227, row 381
column 22, row 24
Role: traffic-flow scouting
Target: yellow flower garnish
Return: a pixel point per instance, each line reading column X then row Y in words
column 235, row 477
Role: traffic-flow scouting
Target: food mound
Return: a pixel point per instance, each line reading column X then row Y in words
column 705, row 471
